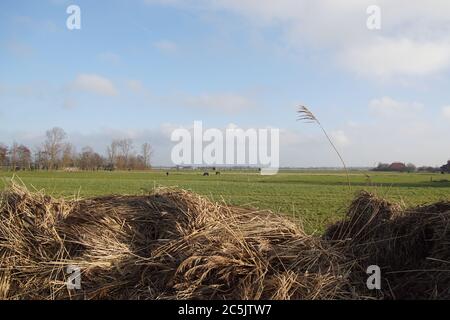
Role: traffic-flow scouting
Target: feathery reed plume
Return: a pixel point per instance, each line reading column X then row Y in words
column 307, row 116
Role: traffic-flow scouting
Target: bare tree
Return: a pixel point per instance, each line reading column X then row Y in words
column 147, row 152
column 136, row 162
column 411, row 167
column 68, row 155
column 13, row 156
column 112, row 153
column 124, row 147
column 89, row 159
column 24, row 157
column 40, row 159
column 56, row 153
column 53, row 145
column 3, row 155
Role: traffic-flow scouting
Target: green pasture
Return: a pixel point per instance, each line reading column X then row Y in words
column 316, row 197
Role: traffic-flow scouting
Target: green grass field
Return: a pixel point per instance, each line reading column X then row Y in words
column 318, row 198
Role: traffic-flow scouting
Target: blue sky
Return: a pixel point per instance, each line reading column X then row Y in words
column 142, row 68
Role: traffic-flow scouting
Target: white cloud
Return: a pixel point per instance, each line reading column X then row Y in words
column 226, row 102
column 340, row 138
column 387, row 58
column 446, row 112
column 377, row 142
column 166, row 46
column 389, row 107
column 94, row 84
column 414, row 39
column 221, row 102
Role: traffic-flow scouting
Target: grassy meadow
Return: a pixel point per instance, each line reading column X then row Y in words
column 317, row 197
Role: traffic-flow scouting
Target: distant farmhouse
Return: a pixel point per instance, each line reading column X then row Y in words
column 401, row 167
column 396, row 167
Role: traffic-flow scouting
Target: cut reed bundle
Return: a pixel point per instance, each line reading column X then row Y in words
column 174, row 244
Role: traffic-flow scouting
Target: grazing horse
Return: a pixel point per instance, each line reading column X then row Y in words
column 206, row 174
column 167, row 174
column 217, row 173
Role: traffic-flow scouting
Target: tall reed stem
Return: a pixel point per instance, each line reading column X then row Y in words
column 308, row 116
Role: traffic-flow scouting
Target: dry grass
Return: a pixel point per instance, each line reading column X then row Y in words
column 168, row 245
column 412, row 246
column 173, row 244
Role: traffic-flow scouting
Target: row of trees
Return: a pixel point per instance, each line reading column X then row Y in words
column 56, row 153
column 446, row 167
column 401, row 167
column 396, row 167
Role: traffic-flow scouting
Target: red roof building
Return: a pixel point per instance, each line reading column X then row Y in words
column 397, row 166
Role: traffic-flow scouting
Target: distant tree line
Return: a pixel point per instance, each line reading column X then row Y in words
column 401, row 167
column 56, row 153
column 446, row 167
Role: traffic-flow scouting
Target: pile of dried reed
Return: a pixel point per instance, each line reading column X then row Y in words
column 168, row 245
column 174, row 244
column 411, row 246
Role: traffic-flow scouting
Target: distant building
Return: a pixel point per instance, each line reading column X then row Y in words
column 398, row 166
column 395, row 167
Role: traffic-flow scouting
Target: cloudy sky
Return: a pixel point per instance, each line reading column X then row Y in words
column 142, row 68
